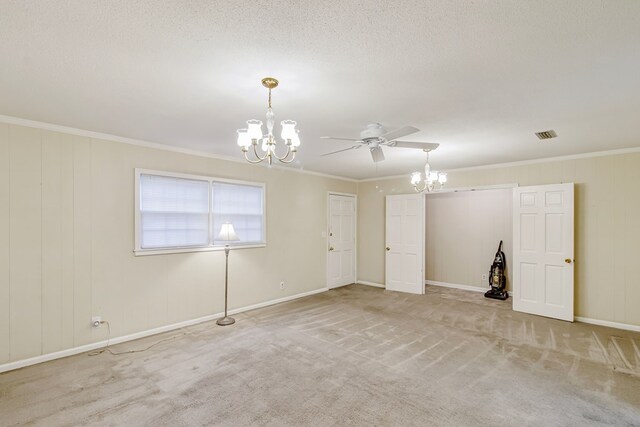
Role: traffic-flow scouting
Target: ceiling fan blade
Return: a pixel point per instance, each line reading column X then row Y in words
column 410, row 144
column 355, row 147
column 399, row 133
column 340, row 139
column 377, row 154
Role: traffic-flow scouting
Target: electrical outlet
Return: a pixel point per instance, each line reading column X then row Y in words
column 96, row 321
column 281, row 285
column 484, row 277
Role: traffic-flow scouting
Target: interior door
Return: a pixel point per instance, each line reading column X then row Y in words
column 543, row 250
column 342, row 262
column 404, row 259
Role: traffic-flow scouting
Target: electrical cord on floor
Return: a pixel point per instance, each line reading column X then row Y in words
column 118, row 353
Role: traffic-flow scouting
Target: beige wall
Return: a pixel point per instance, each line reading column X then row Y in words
column 607, row 226
column 67, row 238
column 477, row 220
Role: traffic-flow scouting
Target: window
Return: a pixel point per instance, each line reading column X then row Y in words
column 181, row 213
column 174, row 212
column 241, row 205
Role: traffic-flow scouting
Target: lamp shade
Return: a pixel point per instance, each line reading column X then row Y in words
column 288, row 129
column 266, row 146
column 295, row 141
column 416, row 177
column 227, row 233
column 243, row 138
column 254, row 129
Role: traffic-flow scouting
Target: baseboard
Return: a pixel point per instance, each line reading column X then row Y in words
column 625, row 326
column 458, row 286
column 455, row 286
column 375, row 285
column 117, row 340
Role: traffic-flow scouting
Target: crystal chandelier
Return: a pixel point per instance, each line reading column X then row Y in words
column 432, row 180
column 253, row 135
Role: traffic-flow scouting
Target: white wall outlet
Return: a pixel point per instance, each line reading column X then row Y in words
column 281, row 285
column 96, row 321
column 484, row 277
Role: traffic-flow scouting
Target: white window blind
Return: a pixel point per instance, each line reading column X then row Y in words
column 184, row 213
column 242, row 206
column 174, row 212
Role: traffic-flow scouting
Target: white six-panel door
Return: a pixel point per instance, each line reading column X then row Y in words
column 543, row 250
column 405, row 243
column 341, row 239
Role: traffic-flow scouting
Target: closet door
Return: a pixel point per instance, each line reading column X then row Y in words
column 405, row 243
column 342, row 240
column 543, row 250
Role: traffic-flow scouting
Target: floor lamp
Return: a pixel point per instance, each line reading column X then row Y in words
column 227, row 234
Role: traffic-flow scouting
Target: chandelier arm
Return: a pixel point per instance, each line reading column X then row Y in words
column 252, row 161
column 283, row 158
column 420, row 189
column 287, row 161
column 259, row 157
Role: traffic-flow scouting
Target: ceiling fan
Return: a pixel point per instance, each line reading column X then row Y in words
column 375, row 136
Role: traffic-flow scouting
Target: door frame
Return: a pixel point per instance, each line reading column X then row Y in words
column 510, row 186
column 355, row 235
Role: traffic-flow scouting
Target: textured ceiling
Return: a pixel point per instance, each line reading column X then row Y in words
column 479, row 77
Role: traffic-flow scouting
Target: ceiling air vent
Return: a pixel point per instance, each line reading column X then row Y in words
column 547, row 134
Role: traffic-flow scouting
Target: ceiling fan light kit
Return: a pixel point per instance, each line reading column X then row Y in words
column 253, row 135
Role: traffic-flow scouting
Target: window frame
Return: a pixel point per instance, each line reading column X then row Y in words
column 139, row 251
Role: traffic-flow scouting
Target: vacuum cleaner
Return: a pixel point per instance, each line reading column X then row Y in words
column 497, row 278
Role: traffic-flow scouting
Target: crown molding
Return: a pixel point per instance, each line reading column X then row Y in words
column 158, row 146
column 404, row 175
column 551, row 159
column 155, row 145
column 524, row 162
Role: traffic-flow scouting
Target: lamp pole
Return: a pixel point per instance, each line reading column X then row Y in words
column 226, row 320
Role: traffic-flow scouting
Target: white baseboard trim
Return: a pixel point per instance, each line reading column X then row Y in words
column 117, row 340
column 617, row 325
column 457, row 286
column 625, row 326
column 375, row 285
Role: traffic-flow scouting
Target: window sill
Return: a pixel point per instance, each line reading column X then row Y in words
column 146, row 252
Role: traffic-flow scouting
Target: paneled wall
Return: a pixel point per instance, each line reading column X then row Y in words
column 67, row 239
column 607, row 226
column 463, row 231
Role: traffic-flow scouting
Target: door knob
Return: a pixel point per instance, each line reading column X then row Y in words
column 388, row 248
column 331, row 248
column 568, row 260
